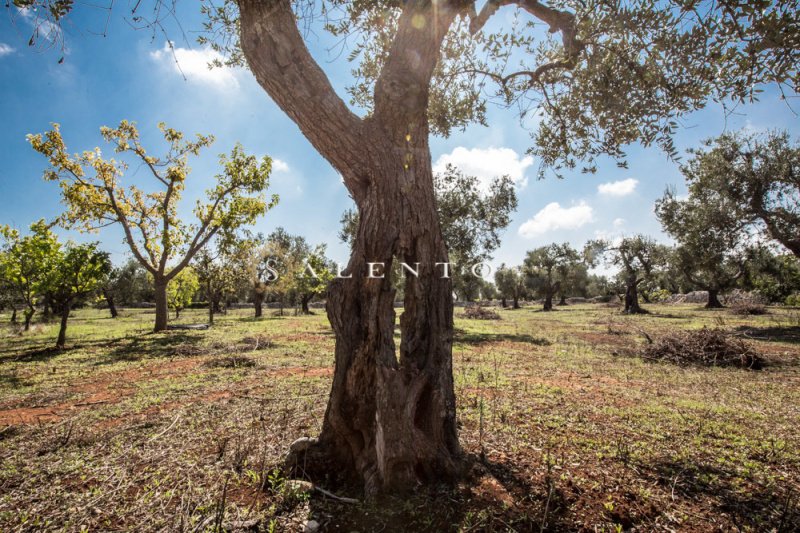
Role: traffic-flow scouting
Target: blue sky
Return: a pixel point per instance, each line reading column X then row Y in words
column 131, row 74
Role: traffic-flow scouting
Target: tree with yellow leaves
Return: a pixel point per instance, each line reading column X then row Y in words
column 93, row 190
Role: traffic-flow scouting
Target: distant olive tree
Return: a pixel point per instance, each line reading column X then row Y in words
column 756, row 176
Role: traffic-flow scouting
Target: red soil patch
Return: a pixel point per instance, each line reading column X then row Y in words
column 107, row 388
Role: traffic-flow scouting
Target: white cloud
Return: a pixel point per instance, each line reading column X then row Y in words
column 554, row 217
column 618, row 222
column 618, row 188
column 279, row 165
column 193, row 64
column 487, row 164
column 5, row 49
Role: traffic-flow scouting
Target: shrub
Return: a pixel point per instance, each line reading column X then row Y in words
column 704, row 347
column 793, row 299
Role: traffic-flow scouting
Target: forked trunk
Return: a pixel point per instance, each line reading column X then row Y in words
column 62, row 331
column 162, row 308
column 713, row 300
column 391, row 421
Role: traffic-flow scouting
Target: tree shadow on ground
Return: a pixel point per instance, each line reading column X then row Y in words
column 492, row 497
column 476, row 339
column 155, row 345
column 751, row 505
column 790, row 334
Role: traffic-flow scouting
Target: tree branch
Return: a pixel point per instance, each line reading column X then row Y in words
column 283, row 66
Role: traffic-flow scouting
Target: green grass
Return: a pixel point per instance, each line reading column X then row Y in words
column 566, row 429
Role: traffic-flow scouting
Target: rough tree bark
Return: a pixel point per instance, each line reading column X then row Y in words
column 549, row 291
column 503, row 302
column 304, row 300
column 563, row 299
column 516, row 302
column 62, row 331
column 29, row 316
column 713, row 300
column 390, row 421
column 258, row 303
column 632, row 296
column 162, row 307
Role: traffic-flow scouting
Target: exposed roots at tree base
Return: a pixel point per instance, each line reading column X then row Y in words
column 704, row 347
column 309, row 460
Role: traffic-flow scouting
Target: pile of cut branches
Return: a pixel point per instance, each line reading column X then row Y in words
column 704, row 347
column 748, row 309
column 477, row 312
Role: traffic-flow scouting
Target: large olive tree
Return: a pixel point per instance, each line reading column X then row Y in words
column 597, row 74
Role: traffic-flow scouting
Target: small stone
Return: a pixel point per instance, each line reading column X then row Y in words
column 299, row 486
column 302, row 444
column 312, row 526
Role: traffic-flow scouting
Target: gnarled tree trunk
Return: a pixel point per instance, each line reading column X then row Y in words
column 549, row 291
column 713, row 300
column 391, row 420
column 632, row 296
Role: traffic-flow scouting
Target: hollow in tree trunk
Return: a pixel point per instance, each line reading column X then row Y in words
column 62, row 331
column 162, row 308
column 713, row 300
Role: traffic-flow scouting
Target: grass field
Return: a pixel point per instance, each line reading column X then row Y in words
column 565, row 427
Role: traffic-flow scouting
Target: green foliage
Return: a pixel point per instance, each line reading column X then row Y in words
column 756, row 177
column 546, row 267
column 131, row 283
column 93, row 190
column 26, row 263
column 775, row 276
column 712, row 237
column 181, row 289
column 510, row 282
column 78, row 271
